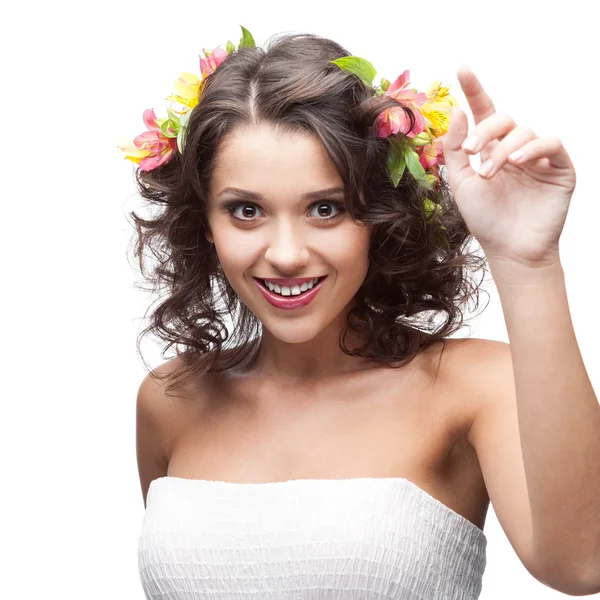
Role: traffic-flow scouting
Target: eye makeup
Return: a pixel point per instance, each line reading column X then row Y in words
column 232, row 205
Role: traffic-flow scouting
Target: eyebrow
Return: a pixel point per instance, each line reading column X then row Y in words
column 316, row 195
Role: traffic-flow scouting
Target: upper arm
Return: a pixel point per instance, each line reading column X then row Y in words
column 152, row 439
column 494, row 434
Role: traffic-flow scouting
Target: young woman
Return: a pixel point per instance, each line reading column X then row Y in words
column 334, row 442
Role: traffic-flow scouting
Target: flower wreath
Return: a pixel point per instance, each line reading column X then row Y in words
column 418, row 148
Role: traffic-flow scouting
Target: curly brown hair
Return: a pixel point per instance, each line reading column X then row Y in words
column 413, row 276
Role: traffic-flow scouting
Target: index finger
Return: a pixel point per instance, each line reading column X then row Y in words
column 480, row 103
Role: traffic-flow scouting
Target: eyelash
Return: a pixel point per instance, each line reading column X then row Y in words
column 231, row 206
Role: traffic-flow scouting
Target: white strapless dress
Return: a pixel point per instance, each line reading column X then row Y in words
column 364, row 538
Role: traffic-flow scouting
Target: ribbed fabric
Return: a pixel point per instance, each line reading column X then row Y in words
column 364, row 538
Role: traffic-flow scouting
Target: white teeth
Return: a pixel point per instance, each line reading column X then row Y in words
column 295, row 290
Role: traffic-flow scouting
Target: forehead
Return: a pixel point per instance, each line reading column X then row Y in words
column 263, row 159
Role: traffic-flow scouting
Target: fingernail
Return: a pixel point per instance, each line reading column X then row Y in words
column 471, row 143
column 485, row 168
column 516, row 156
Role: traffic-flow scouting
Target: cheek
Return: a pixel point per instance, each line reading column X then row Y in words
column 235, row 253
column 348, row 248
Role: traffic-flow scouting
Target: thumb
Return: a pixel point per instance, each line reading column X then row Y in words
column 456, row 159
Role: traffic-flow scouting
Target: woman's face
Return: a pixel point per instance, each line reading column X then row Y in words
column 282, row 233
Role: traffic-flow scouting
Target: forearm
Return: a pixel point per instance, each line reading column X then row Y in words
column 558, row 413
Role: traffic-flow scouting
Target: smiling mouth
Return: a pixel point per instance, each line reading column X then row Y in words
column 296, row 300
column 291, row 290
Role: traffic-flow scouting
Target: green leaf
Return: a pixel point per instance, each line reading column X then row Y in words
column 399, row 142
column 414, row 166
column 181, row 139
column 425, row 184
column 421, row 139
column 395, row 164
column 431, row 180
column 164, row 128
column 430, row 207
column 431, row 210
column 360, row 67
column 246, row 40
column 385, row 84
column 230, row 47
column 174, row 116
column 183, row 119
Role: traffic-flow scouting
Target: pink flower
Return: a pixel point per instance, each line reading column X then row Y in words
column 431, row 154
column 151, row 148
column 395, row 120
column 213, row 59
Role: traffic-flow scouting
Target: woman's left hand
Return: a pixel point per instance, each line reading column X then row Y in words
column 517, row 211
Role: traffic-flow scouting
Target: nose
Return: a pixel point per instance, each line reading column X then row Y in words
column 286, row 249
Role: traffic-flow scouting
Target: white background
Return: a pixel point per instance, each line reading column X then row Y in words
column 77, row 78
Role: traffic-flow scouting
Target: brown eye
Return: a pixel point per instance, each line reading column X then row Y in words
column 324, row 210
column 247, row 213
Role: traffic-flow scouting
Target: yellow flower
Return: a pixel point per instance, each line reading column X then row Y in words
column 188, row 89
column 437, row 108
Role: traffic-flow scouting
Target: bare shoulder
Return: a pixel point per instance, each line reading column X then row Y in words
column 478, row 366
column 468, row 369
column 463, row 357
column 159, row 416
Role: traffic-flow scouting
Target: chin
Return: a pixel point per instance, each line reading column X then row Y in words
column 292, row 333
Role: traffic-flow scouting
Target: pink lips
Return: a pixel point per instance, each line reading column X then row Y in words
column 290, row 302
